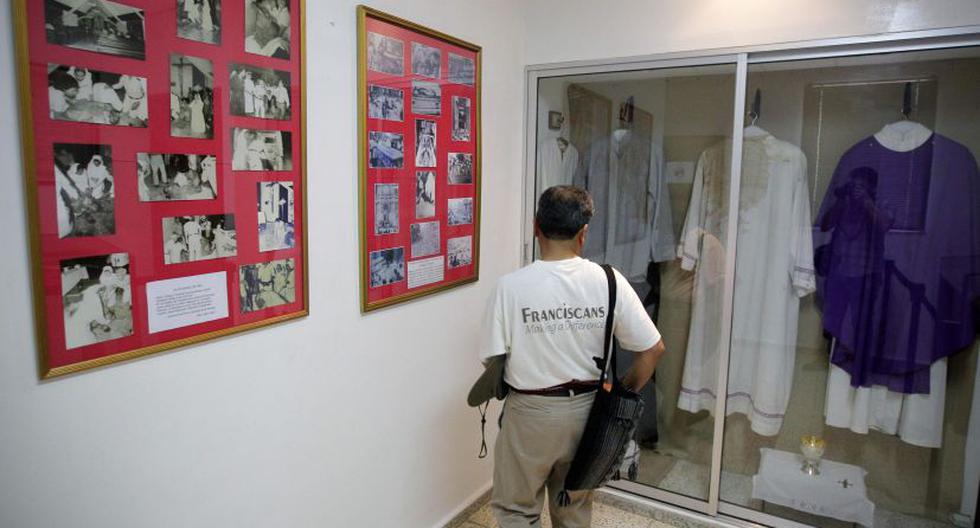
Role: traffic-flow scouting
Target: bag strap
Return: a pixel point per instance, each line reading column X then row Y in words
column 608, row 361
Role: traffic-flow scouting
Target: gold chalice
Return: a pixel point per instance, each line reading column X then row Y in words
column 812, row 448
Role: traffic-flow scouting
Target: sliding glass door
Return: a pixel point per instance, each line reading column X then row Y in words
column 803, row 226
column 634, row 140
column 858, row 260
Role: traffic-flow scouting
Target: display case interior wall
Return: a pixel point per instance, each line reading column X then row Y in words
column 820, row 108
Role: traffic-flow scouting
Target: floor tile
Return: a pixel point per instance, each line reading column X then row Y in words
column 483, row 517
column 604, row 516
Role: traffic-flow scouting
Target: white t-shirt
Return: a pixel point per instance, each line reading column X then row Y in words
column 550, row 316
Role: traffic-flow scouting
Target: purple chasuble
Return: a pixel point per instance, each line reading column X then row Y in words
column 898, row 260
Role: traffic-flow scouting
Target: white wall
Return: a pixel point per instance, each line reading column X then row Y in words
column 562, row 30
column 338, row 420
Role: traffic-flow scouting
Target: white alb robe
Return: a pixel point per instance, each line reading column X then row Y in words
column 642, row 230
column 556, row 167
column 774, row 269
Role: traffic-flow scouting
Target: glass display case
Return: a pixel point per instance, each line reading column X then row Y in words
column 836, row 306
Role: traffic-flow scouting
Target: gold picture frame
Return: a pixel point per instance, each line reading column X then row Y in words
column 27, row 31
column 406, row 37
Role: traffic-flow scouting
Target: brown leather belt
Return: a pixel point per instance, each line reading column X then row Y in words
column 565, row 390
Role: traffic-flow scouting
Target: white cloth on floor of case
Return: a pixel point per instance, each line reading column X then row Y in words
column 555, row 167
column 916, row 418
column 774, row 269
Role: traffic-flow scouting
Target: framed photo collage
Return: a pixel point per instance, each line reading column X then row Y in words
column 164, row 144
column 419, row 117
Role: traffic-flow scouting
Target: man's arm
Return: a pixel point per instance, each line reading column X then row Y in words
column 643, row 366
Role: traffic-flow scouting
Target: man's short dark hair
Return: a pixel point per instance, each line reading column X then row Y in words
column 563, row 210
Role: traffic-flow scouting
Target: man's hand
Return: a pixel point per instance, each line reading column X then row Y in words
column 643, row 366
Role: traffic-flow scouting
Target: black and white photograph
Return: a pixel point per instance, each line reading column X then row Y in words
column 202, row 237
column 191, row 97
column 261, row 150
column 555, row 120
column 425, row 194
column 175, row 177
column 266, row 284
column 101, row 26
column 387, row 266
column 385, row 208
column 97, row 299
column 84, row 189
column 259, row 92
column 461, row 70
column 426, row 60
column 459, row 252
column 387, row 150
column 386, row 103
column 385, row 54
column 99, row 97
column 461, row 118
column 425, row 143
column 425, row 239
column 460, row 168
column 267, row 28
column 460, row 211
column 199, row 20
column 277, row 223
column 426, row 98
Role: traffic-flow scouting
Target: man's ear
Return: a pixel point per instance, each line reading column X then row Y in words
column 581, row 234
column 537, row 230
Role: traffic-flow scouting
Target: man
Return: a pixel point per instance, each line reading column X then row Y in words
column 134, row 103
column 248, row 88
column 261, row 98
column 174, row 103
column 549, row 318
column 173, row 250
column 192, row 234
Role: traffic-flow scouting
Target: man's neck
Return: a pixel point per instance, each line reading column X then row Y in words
column 556, row 251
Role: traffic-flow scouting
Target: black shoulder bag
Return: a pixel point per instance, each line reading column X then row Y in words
column 612, row 420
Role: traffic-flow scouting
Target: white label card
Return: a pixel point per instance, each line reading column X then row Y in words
column 425, row 271
column 186, row 301
column 680, row 172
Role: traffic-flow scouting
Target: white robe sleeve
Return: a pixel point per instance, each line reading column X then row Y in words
column 802, row 275
column 662, row 226
column 689, row 250
column 571, row 157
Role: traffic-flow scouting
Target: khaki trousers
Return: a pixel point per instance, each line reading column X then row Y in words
column 534, row 449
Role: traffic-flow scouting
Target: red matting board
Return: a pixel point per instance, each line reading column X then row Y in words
column 394, row 242
column 68, row 286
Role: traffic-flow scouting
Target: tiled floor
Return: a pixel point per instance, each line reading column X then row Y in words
column 603, row 516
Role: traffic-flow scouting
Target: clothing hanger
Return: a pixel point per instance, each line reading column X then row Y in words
column 626, row 113
column 905, row 134
column 625, row 121
column 906, row 123
column 907, row 102
column 756, row 111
